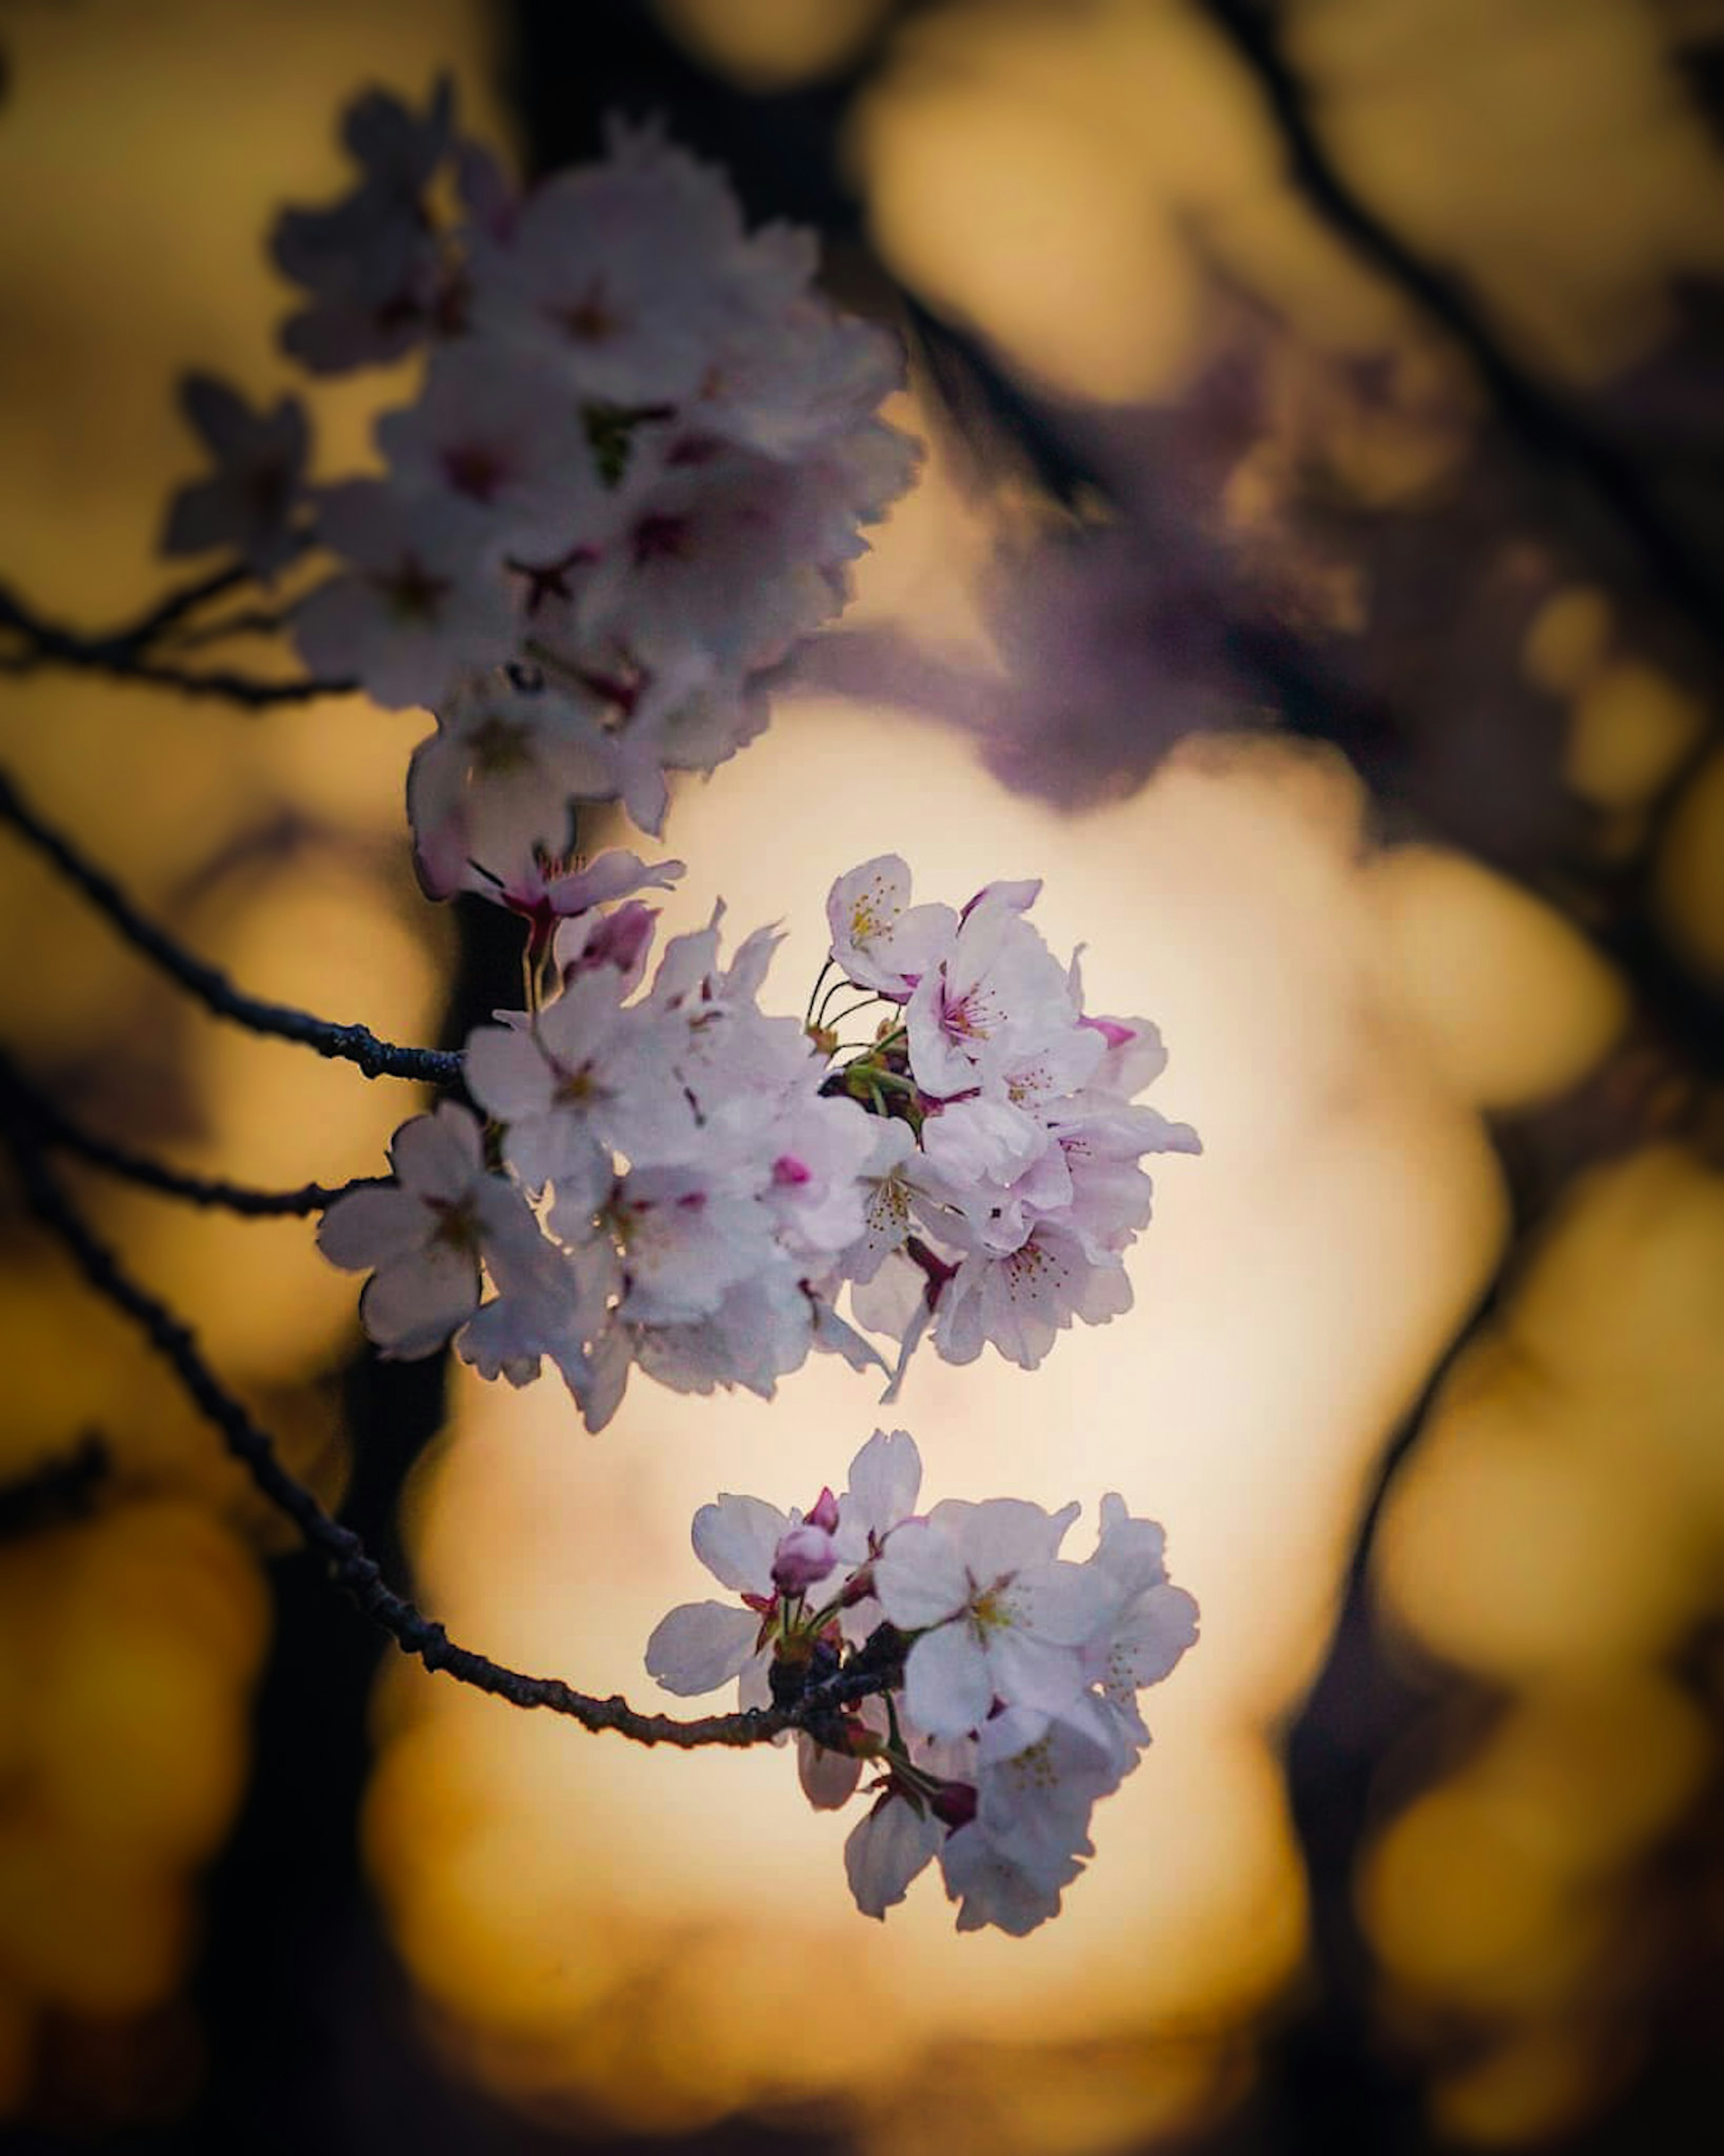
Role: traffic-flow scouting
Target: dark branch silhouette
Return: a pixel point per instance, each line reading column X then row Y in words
column 122, row 655
column 349, row 1565
column 350, row 1044
column 64, row 1488
column 54, row 1127
column 1545, row 423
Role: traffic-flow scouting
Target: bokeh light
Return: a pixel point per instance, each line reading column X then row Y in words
column 1375, row 1026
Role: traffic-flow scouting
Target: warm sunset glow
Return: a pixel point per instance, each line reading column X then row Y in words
column 1383, row 1032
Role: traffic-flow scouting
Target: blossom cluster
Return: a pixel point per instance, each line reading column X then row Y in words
column 986, row 1685
column 673, row 1179
column 632, row 475
column 664, row 1184
column 1005, row 1185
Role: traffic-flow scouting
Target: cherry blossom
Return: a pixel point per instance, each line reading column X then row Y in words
column 681, row 1143
column 506, row 438
column 878, row 940
column 985, row 1702
column 635, row 473
column 370, row 263
column 260, row 469
column 1006, row 1183
column 493, row 783
column 423, row 599
column 627, row 272
column 998, row 1615
column 421, row 1240
column 720, row 1178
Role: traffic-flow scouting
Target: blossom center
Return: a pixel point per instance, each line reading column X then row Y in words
column 412, row 592
column 592, row 319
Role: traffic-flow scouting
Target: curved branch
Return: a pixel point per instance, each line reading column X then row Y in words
column 350, row 1044
column 350, row 1564
column 54, row 1127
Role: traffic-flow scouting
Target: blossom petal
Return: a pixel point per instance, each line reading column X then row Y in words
column 411, row 1306
column 920, row 1577
column 885, row 1478
column 829, row 1779
column 947, row 1686
column 1155, row 1633
column 701, row 1645
column 1066, row 1604
column 735, row 1539
column 437, row 1156
column 370, row 1228
column 886, row 1851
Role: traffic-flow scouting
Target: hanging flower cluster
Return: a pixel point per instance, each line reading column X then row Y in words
column 633, row 477
column 1004, row 1187
column 1008, row 1676
column 669, row 1179
column 675, row 1180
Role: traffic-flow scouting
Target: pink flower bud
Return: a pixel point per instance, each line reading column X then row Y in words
column 955, row 1806
column 804, row 1556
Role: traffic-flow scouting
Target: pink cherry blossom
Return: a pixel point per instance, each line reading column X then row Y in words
column 422, row 1240
column 879, row 939
column 998, row 1615
column 997, row 1779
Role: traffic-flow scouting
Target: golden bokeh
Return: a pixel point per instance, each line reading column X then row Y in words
column 605, row 1937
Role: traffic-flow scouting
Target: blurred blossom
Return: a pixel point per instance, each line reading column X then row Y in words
column 1116, row 644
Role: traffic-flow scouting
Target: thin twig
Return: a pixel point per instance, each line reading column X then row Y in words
column 174, row 606
column 56, row 1128
column 350, row 1564
column 60, row 1488
column 119, row 654
column 253, row 621
column 1546, row 422
column 350, row 1044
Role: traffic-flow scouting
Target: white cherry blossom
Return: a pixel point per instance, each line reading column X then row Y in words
column 998, row 1615
column 991, row 1888
column 998, row 1779
column 421, row 1240
column 424, row 597
column 879, row 940
column 505, row 438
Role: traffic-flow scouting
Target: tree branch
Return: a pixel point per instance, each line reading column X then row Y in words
column 1547, row 424
column 250, row 621
column 349, row 1563
column 168, row 611
column 53, row 1127
column 119, row 654
column 350, row 1044
column 62, row 1487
